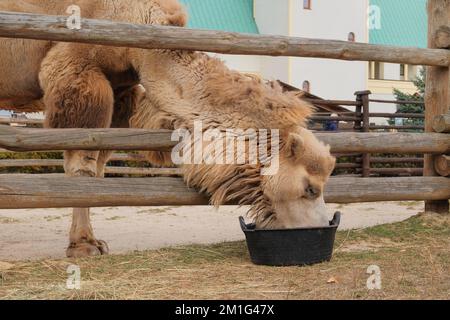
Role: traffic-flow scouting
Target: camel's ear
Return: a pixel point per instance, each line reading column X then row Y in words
column 294, row 145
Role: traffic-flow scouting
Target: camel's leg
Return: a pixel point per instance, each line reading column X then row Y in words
column 125, row 102
column 78, row 95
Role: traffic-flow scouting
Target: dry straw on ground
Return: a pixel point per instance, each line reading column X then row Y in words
column 414, row 257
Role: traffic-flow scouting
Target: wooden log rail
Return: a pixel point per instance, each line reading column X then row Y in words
column 20, row 163
column 113, row 33
column 24, row 139
column 57, row 191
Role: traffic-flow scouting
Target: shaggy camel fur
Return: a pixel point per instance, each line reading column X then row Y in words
column 185, row 87
column 80, row 86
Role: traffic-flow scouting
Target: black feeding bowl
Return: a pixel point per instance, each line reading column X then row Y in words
column 291, row 247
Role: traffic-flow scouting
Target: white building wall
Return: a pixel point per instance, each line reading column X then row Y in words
column 330, row 19
column 247, row 64
column 272, row 17
column 391, row 71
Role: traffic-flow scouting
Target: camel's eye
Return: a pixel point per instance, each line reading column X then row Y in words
column 311, row 192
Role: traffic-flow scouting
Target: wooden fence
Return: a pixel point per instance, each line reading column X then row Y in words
column 25, row 191
column 357, row 120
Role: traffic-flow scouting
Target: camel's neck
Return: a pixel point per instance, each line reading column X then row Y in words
column 191, row 84
column 176, row 78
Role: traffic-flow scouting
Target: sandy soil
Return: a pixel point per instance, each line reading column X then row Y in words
column 37, row 234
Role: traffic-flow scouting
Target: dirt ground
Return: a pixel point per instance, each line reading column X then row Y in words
column 41, row 234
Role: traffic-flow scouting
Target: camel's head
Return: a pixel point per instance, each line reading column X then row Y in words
column 294, row 194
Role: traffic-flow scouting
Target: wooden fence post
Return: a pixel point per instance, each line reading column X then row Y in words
column 363, row 98
column 437, row 97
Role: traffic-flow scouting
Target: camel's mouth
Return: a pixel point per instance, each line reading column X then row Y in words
column 293, row 214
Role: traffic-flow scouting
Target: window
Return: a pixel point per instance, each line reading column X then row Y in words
column 306, row 86
column 402, row 72
column 376, row 70
column 351, row 37
column 307, row 4
column 408, row 72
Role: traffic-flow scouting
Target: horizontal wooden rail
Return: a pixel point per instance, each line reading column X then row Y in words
column 405, row 127
column 396, row 160
column 326, row 118
column 333, row 102
column 134, row 157
column 23, row 139
column 397, row 115
column 397, row 101
column 347, row 165
column 55, row 191
column 343, row 113
column 144, row 171
column 114, row 33
column 397, row 171
column 19, row 163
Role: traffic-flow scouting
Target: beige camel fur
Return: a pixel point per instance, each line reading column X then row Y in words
column 184, row 87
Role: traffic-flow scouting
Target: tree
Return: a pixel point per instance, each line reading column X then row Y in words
column 418, row 96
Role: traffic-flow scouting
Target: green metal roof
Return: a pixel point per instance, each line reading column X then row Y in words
column 403, row 23
column 225, row 15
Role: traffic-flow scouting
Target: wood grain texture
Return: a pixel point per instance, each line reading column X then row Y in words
column 442, row 37
column 55, row 191
column 24, row 139
column 442, row 165
column 43, row 27
column 441, row 123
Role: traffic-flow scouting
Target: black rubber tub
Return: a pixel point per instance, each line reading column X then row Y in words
column 291, row 247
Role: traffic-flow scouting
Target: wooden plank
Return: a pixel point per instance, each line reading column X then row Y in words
column 397, row 101
column 339, row 118
column 408, row 143
column 437, row 91
column 9, row 163
column 396, row 160
column 441, row 123
column 397, row 115
column 347, row 166
column 24, row 139
column 144, row 171
column 55, row 191
column 398, row 171
column 442, row 165
column 405, row 127
column 114, row 33
column 333, row 102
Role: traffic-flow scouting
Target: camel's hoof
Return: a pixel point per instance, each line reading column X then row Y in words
column 85, row 249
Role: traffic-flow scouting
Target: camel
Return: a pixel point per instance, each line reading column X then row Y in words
column 87, row 86
column 186, row 87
